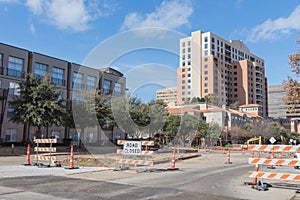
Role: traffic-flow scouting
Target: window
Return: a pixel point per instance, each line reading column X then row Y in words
column 118, row 89
column 205, row 66
column 189, row 49
column 189, row 81
column 213, row 40
column 77, row 80
column 189, row 62
column 183, row 70
column 221, row 44
column 205, row 46
column 235, row 73
column 183, row 93
column 205, row 52
column 189, row 87
column 183, row 99
column 183, row 44
column 205, row 84
column 212, row 46
column 10, row 112
column 183, row 87
column 40, row 69
column 91, row 83
column 183, row 50
column 107, row 86
column 15, row 67
column 58, row 76
column 183, row 63
column 183, row 75
column 189, row 43
column 183, row 82
column 206, row 91
column 205, row 72
column 205, row 59
column 189, row 56
column 212, row 53
column 189, row 75
column 183, row 57
column 206, row 78
column 205, row 39
column 11, row 135
column 218, row 42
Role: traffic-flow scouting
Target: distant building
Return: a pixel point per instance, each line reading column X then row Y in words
column 277, row 106
column 227, row 70
column 168, row 95
column 70, row 77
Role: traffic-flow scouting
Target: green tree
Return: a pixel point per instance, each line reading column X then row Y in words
column 201, row 131
column 213, row 132
column 39, row 103
column 187, row 130
column 172, row 126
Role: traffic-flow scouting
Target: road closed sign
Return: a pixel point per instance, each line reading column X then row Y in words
column 132, row 148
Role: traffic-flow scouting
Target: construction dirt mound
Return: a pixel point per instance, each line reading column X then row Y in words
column 88, row 162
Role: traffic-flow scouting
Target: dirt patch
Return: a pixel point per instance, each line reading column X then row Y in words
column 80, row 161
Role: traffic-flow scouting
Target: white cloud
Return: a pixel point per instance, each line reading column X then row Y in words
column 169, row 14
column 272, row 29
column 35, row 6
column 67, row 14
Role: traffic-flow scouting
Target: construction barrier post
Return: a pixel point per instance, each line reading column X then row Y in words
column 228, row 157
column 72, row 159
column 252, row 154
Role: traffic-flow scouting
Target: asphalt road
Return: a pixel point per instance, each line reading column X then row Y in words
column 199, row 178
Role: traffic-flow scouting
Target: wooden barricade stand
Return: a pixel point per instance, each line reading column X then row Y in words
column 42, row 157
column 131, row 153
column 261, row 174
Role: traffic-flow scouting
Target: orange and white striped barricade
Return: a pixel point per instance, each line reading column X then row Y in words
column 134, row 148
column 135, row 162
column 276, row 148
column 50, row 149
column 271, row 162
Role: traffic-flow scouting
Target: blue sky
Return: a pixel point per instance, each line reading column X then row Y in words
column 72, row 29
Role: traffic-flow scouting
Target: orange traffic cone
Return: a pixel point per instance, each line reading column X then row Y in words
column 228, row 157
column 28, row 156
column 173, row 161
column 72, row 159
column 273, row 156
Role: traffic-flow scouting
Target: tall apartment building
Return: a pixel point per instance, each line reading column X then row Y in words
column 227, row 70
column 168, row 95
column 71, row 77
